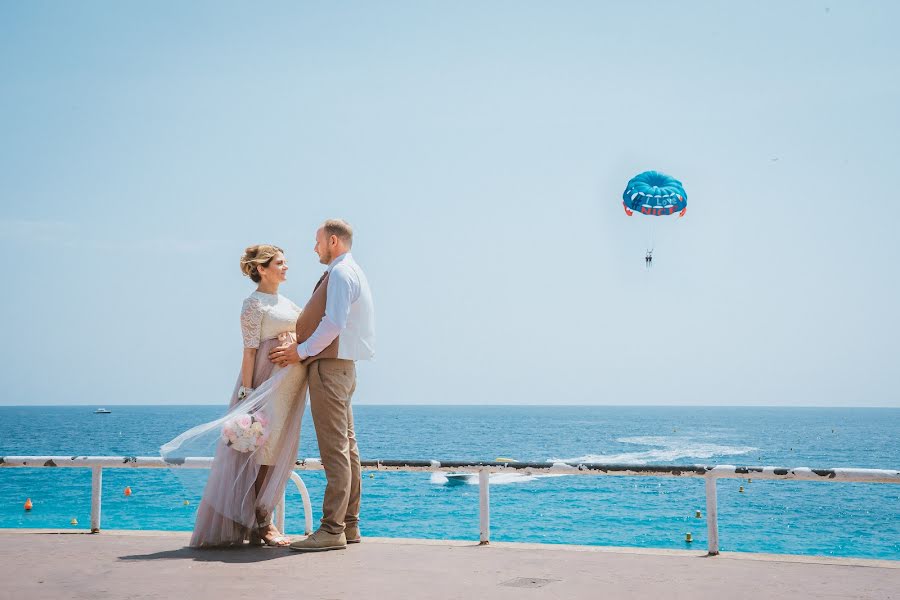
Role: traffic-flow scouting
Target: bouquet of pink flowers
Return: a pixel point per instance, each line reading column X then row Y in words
column 246, row 432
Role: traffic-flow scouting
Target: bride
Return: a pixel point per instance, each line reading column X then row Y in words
column 256, row 441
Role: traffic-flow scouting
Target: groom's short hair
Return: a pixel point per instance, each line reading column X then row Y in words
column 340, row 228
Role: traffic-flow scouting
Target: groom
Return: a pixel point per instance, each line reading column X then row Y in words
column 330, row 345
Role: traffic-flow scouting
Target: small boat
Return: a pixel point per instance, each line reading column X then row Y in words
column 461, row 478
column 102, row 411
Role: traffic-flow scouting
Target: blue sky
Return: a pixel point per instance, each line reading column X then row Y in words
column 480, row 150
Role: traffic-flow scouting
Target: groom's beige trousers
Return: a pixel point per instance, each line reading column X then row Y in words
column 332, row 382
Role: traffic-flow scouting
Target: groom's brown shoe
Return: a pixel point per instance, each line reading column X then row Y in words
column 351, row 532
column 320, row 541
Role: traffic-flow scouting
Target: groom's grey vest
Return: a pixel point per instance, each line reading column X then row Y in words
column 310, row 318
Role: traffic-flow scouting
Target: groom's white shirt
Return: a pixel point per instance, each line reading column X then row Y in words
column 349, row 313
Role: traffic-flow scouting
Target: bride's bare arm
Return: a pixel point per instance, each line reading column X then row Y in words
column 247, row 366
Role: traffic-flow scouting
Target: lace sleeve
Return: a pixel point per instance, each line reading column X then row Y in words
column 251, row 322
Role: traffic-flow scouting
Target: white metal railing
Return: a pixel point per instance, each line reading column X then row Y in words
column 98, row 463
column 710, row 473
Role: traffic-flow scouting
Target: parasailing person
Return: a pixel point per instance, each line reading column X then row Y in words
column 654, row 194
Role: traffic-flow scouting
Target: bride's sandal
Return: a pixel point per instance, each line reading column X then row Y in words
column 263, row 536
column 278, row 541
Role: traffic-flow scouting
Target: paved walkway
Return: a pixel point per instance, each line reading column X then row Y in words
column 156, row 565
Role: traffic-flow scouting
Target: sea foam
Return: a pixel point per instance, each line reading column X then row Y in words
column 662, row 450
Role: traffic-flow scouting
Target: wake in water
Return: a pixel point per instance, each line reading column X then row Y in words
column 496, row 478
column 663, row 450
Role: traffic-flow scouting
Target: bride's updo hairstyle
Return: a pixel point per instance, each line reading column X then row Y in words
column 258, row 256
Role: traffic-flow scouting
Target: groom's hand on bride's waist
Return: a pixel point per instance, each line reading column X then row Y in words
column 285, row 355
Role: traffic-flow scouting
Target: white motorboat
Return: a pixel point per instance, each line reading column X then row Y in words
column 102, row 411
column 462, row 478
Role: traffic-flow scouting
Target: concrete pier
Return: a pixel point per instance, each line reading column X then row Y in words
column 41, row 564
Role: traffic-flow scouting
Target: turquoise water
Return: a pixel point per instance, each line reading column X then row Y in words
column 839, row 519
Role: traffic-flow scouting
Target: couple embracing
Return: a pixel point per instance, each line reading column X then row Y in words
column 287, row 352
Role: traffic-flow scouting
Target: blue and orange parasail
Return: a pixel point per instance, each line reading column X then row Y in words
column 654, row 193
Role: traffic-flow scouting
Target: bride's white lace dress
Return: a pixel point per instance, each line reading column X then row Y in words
column 227, row 514
column 265, row 320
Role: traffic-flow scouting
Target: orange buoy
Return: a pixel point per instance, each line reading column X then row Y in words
column 28, row 504
column 127, row 491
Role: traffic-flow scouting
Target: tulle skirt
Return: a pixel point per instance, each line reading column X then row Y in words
column 233, row 502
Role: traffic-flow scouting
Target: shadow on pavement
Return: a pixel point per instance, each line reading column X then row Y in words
column 223, row 555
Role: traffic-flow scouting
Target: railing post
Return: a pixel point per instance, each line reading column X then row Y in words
column 96, row 496
column 279, row 512
column 307, row 505
column 484, row 505
column 712, row 516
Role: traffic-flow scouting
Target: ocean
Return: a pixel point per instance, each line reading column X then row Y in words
column 813, row 518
